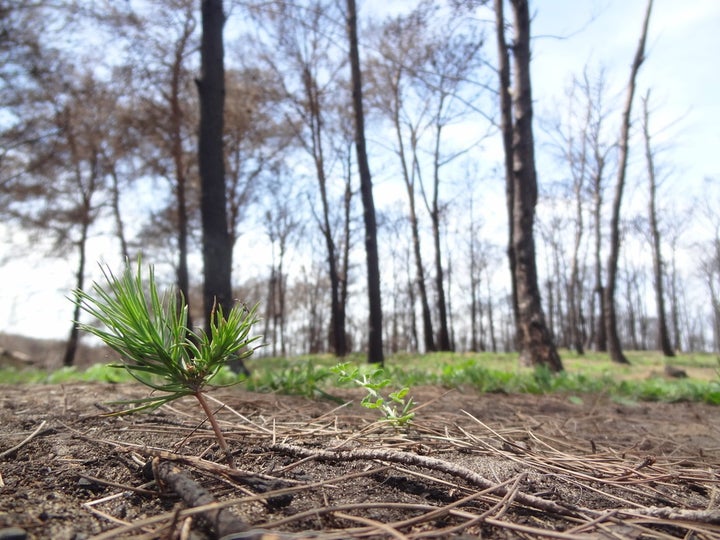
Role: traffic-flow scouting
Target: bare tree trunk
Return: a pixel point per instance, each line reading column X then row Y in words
column 674, row 300
column 86, row 218
column 444, row 343
column 178, row 157
column 599, row 291
column 476, row 308
column 613, row 340
column 73, row 339
column 537, row 345
column 491, row 317
column 337, row 322
column 663, row 334
column 270, row 308
column 409, row 178
column 506, row 128
column 574, row 296
column 631, row 303
column 375, row 329
column 117, row 216
column 217, row 250
column 343, row 274
column 413, row 330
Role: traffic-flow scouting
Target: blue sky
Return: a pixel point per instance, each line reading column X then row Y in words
column 681, row 66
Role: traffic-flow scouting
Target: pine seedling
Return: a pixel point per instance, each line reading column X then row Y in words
column 150, row 333
column 396, row 407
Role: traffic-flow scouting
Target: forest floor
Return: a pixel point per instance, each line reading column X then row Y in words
column 469, row 466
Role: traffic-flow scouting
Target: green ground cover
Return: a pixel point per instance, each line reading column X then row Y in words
column 591, row 374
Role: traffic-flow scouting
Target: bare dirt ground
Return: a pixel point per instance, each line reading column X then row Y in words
column 470, row 466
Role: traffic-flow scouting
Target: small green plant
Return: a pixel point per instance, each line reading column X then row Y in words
column 294, row 378
column 150, row 333
column 396, row 407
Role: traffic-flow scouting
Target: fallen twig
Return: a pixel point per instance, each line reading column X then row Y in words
column 193, row 494
column 407, row 458
column 24, row 442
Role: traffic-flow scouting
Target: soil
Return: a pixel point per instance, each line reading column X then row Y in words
column 469, row 466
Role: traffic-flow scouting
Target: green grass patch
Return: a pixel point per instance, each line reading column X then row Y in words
column 312, row 376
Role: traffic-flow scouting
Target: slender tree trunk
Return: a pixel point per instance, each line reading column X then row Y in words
column 73, row 339
column 413, row 330
column 375, row 336
column 574, row 296
column 337, row 323
column 281, row 297
column 409, row 179
column 217, row 251
column 343, row 274
column 491, row 317
column 270, row 308
column 613, row 340
column 663, row 334
column 537, row 345
column 506, row 128
column 674, row 300
column 599, row 291
column 86, row 192
column 183, row 276
column 631, row 304
column 444, row 343
column 178, row 157
column 117, row 216
column 475, row 302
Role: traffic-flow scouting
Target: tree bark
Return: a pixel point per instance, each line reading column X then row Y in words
column 375, row 337
column 217, row 251
column 73, row 339
column 663, row 334
column 409, row 179
column 613, row 339
column 117, row 216
column 444, row 342
column 86, row 217
column 315, row 123
column 537, row 347
column 178, row 157
column 600, row 327
column 506, row 128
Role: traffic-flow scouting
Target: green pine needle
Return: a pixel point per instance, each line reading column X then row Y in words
column 149, row 331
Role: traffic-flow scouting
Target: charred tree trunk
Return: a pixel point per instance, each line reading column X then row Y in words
column 73, row 339
column 491, row 317
column 444, row 341
column 315, row 120
column 117, row 216
column 674, row 300
column 663, row 334
column 409, row 178
column 375, row 336
column 420, row 280
column 613, row 339
column 599, row 328
column 537, row 347
column 183, row 279
column 217, row 250
column 574, row 287
column 86, row 217
column 506, row 128
column 343, row 274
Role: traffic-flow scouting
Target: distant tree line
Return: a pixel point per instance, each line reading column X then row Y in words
column 352, row 147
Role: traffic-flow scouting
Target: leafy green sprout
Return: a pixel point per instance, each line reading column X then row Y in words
column 396, row 407
column 150, row 333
